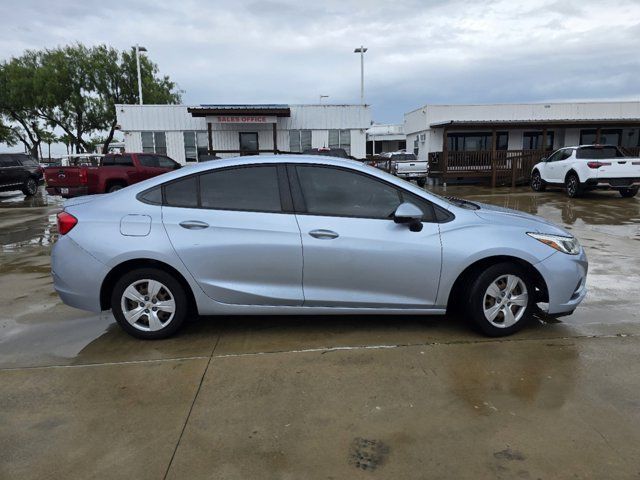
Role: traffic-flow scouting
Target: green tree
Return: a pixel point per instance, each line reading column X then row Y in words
column 75, row 89
column 18, row 100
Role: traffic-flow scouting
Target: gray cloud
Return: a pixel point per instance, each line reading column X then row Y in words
column 291, row 51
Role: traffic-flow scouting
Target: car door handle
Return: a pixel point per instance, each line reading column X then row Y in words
column 324, row 234
column 194, row 225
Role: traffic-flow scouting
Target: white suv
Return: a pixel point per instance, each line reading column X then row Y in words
column 588, row 167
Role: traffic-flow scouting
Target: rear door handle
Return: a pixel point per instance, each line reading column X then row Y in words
column 324, row 234
column 194, row 225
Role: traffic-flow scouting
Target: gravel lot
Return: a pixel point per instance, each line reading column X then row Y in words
column 313, row 397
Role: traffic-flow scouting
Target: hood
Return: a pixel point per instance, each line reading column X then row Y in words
column 83, row 199
column 508, row 216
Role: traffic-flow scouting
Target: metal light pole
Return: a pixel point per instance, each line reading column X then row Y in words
column 138, row 50
column 361, row 51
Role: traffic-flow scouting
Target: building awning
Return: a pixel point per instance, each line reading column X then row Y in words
column 551, row 123
column 271, row 110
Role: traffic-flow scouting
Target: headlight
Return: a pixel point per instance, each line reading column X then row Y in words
column 568, row 245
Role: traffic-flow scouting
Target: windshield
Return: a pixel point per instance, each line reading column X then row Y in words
column 598, row 153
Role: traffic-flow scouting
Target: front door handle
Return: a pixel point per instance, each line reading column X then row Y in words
column 194, row 224
column 324, row 234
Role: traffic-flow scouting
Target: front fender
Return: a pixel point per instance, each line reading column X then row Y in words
column 462, row 247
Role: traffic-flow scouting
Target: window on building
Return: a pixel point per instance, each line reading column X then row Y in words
column 533, row 140
column 299, row 140
column 607, row 136
column 195, row 145
column 154, row 142
column 340, row 139
column 476, row 141
column 416, row 146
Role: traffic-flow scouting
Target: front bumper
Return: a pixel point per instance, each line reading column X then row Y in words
column 70, row 191
column 566, row 279
column 77, row 275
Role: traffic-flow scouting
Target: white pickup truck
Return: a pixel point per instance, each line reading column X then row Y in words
column 588, row 167
column 406, row 165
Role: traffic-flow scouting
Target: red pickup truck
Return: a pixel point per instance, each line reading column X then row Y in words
column 115, row 171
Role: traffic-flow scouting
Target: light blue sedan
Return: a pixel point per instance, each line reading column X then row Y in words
column 296, row 235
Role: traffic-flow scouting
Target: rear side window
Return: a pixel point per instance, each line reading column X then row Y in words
column 117, row 161
column 249, row 188
column 153, row 196
column 9, row 161
column 182, row 193
column 335, row 192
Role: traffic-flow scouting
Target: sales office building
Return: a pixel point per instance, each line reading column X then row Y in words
column 188, row 133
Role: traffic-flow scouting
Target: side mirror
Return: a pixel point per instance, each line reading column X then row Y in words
column 409, row 214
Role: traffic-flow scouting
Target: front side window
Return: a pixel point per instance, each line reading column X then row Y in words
column 156, row 161
column 335, row 192
column 154, row 142
column 253, row 188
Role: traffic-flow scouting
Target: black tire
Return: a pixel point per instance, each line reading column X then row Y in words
column 628, row 192
column 421, row 182
column 537, row 184
column 572, row 185
column 479, row 299
column 172, row 289
column 115, row 187
column 30, row 187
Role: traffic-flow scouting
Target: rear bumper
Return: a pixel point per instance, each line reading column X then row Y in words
column 566, row 279
column 620, row 182
column 71, row 191
column 77, row 275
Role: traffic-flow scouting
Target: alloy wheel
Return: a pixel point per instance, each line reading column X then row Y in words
column 572, row 185
column 148, row 305
column 505, row 301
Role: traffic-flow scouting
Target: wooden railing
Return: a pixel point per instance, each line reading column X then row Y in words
column 502, row 167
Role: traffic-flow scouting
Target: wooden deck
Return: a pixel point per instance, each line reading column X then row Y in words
column 501, row 167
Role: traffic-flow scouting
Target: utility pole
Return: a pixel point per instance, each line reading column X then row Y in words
column 138, row 50
column 361, row 51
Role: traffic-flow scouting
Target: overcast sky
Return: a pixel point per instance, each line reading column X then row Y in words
column 430, row 51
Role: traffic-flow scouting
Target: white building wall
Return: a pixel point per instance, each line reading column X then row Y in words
column 419, row 120
column 175, row 119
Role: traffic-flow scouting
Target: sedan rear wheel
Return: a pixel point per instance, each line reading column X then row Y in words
column 149, row 303
column 501, row 299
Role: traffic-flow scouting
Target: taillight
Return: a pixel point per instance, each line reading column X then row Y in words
column 66, row 222
column 83, row 175
column 597, row 164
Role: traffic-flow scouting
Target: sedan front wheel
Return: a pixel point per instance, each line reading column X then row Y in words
column 501, row 299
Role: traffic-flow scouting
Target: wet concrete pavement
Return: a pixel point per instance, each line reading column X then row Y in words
column 315, row 397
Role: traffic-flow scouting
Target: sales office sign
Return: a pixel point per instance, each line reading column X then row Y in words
column 243, row 119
